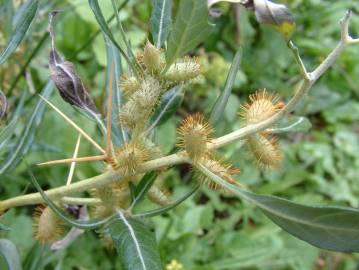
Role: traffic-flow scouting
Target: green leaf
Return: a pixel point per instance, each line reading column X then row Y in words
column 106, row 30
column 222, row 100
column 81, row 224
column 292, row 124
column 161, row 210
column 34, row 258
column 27, row 15
column 160, row 21
column 119, row 135
column 4, row 227
column 23, row 143
column 143, row 186
column 135, row 244
column 169, row 104
column 191, row 28
column 9, row 129
column 326, row 227
column 11, row 255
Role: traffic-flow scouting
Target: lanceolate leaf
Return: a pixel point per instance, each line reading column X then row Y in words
column 143, row 186
column 222, row 100
column 4, row 106
column 135, row 244
column 118, row 133
column 25, row 18
column 66, row 80
column 292, row 124
column 169, row 104
column 81, row 224
column 326, row 227
column 160, row 21
column 191, row 28
column 106, row 30
column 9, row 252
column 23, row 142
column 161, row 210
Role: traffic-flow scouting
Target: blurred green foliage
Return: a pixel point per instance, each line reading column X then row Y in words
column 211, row 230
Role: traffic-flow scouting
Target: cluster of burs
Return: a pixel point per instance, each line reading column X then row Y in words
column 143, row 92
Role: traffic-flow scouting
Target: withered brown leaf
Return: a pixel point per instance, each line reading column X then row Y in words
column 63, row 73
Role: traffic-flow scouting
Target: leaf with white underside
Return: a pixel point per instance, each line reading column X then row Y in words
column 160, row 21
column 26, row 16
column 190, row 28
column 135, row 244
column 326, row 227
column 9, row 252
column 292, row 124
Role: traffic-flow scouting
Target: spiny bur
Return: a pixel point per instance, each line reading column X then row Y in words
column 138, row 109
column 220, row 168
column 187, row 69
column 130, row 157
column 129, row 85
column 194, row 135
column 152, row 59
column 47, row 227
column 262, row 106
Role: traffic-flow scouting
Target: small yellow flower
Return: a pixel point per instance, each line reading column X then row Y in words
column 174, row 265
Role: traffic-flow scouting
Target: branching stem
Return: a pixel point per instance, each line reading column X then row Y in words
column 110, row 176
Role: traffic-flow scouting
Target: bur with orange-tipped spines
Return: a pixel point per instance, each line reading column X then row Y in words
column 219, row 167
column 194, row 135
column 47, row 226
column 264, row 146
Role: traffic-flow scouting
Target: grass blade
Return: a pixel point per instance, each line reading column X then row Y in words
column 27, row 15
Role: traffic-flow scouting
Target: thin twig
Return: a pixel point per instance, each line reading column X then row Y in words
column 83, row 133
column 73, row 164
column 70, row 160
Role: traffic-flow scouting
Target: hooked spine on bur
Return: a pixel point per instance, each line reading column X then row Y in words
column 261, row 106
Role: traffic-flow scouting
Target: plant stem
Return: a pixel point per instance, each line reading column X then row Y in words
column 111, row 176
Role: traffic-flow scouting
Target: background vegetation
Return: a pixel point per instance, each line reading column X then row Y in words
column 210, row 230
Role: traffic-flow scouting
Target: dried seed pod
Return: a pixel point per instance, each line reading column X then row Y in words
column 130, row 156
column 47, row 226
column 265, row 150
column 261, row 106
column 129, row 85
column 183, row 71
column 194, row 135
column 220, row 168
column 152, row 59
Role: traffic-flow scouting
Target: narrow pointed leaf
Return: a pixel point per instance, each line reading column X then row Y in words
column 81, row 224
column 160, row 21
column 143, row 186
column 23, row 142
column 95, row 7
column 292, row 124
column 4, row 107
column 326, row 227
column 190, row 28
column 119, row 135
column 135, row 244
column 222, row 100
column 27, row 15
column 161, row 210
column 9, row 252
